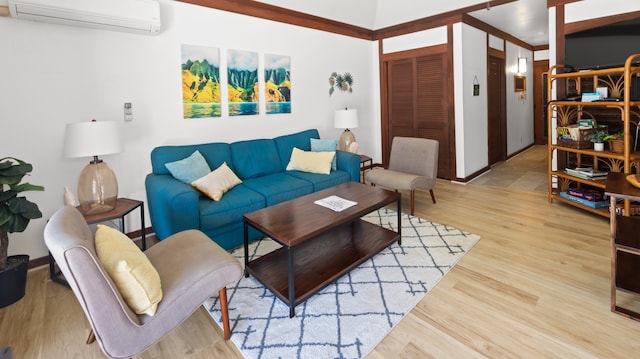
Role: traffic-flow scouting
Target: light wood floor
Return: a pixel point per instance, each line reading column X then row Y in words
column 536, row 285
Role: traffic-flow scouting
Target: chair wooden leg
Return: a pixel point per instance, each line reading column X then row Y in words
column 413, row 197
column 225, row 312
column 92, row 337
column 433, row 198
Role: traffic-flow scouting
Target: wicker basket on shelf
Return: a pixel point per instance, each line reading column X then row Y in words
column 616, row 146
column 583, row 140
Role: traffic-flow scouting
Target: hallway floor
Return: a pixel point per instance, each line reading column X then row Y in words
column 526, row 171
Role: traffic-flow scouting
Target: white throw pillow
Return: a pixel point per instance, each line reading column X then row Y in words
column 218, row 182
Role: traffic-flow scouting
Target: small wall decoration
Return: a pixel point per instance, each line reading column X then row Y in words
column 341, row 82
column 243, row 86
column 476, row 86
column 200, row 81
column 277, row 86
column 519, row 83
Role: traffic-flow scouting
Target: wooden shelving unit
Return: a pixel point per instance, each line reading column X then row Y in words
column 562, row 113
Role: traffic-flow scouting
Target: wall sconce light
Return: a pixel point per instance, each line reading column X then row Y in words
column 522, row 65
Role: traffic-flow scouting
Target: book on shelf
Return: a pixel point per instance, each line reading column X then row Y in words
column 585, row 123
column 584, row 202
column 586, row 173
column 594, row 173
column 590, row 194
column 634, row 209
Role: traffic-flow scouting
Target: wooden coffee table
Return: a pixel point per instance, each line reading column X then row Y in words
column 319, row 245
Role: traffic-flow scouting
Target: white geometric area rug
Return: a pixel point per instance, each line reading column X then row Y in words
column 349, row 317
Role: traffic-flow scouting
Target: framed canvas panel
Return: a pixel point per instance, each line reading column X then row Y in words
column 200, row 81
column 243, row 85
column 277, row 83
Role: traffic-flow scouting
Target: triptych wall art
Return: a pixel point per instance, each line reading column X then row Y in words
column 203, row 92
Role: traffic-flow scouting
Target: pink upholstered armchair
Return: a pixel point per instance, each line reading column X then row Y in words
column 190, row 265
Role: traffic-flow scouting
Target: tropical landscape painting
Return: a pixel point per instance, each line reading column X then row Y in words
column 277, row 87
column 243, row 86
column 200, row 81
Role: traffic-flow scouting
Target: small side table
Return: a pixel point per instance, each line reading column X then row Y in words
column 124, row 206
column 366, row 163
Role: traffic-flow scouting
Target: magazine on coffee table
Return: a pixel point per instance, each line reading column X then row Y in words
column 335, row 203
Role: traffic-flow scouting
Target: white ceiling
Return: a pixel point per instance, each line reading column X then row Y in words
column 526, row 20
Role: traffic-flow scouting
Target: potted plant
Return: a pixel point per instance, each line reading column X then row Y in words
column 616, row 142
column 15, row 213
column 598, row 140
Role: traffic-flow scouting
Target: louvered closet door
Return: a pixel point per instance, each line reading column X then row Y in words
column 401, row 99
column 418, row 103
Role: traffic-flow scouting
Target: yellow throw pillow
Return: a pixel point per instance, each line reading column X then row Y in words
column 133, row 274
column 309, row 161
column 217, row 182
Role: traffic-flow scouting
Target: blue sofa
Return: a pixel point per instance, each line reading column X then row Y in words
column 175, row 206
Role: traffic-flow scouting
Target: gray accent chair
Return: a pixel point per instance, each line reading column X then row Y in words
column 413, row 164
column 191, row 267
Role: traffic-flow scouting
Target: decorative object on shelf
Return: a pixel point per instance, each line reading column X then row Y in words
column 598, row 140
column 616, row 142
column 97, row 184
column 347, row 118
column 69, row 199
column 15, row 214
column 342, row 82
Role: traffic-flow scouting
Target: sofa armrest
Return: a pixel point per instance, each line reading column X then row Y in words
column 173, row 205
column 350, row 163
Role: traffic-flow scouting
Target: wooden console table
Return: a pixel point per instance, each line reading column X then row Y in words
column 625, row 245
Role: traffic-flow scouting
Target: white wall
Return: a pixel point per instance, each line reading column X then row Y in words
column 519, row 109
column 471, row 111
column 54, row 74
column 591, row 9
column 470, row 60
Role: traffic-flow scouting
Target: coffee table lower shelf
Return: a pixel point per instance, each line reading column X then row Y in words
column 317, row 262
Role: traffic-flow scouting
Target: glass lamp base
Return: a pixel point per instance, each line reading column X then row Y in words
column 97, row 188
column 346, row 139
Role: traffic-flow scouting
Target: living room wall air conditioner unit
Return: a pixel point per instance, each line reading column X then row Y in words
column 137, row 16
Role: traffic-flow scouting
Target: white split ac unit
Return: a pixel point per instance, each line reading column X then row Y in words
column 137, row 16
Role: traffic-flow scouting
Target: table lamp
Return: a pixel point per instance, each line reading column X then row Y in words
column 97, row 184
column 347, row 118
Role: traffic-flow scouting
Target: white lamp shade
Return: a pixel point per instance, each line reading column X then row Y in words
column 347, row 118
column 92, row 138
